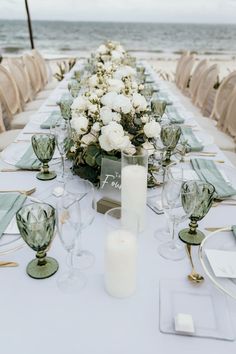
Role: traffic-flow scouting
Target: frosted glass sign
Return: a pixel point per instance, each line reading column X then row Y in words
column 111, row 178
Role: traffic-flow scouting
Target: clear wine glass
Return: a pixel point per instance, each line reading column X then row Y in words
column 172, row 196
column 84, row 192
column 69, row 228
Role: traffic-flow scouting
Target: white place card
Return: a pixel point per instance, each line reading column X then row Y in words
column 223, row 263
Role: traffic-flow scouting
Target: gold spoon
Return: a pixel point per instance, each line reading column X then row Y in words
column 8, row 264
column 25, row 192
column 193, row 276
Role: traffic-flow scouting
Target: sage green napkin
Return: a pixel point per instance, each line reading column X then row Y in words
column 190, row 138
column 207, row 171
column 51, row 120
column 174, row 115
column 29, row 160
column 164, row 96
column 10, row 203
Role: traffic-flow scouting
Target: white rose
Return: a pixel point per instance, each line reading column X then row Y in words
column 93, row 81
column 92, row 108
column 106, row 115
column 96, row 127
column 134, row 85
column 145, row 118
column 149, row 147
column 115, row 85
column 116, row 117
column 124, row 71
column 99, row 92
column 139, row 102
column 122, row 104
column 152, row 129
column 80, row 104
column 116, row 55
column 113, row 127
column 105, row 143
column 102, row 49
column 88, row 139
column 80, row 124
column 108, row 99
column 93, row 97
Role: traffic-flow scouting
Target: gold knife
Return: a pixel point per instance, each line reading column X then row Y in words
column 8, row 264
column 213, row 229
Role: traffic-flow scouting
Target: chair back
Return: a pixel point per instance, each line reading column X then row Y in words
column 208, row 80
column 21, row 78
column 33, row 73
column 196, row 77
column 9, row 94
column 40, row 61
column 180, row 65
column 222, row 98
column 186, row 72
column 2, row 126
column 230, row 118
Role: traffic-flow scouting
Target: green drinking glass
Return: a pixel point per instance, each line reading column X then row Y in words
column 204, row 199
column 44, row 147
column 170, row 135
column 65, row 104
column 147, row 92
column 158, row 107
column 36, row 223
column 74, row 87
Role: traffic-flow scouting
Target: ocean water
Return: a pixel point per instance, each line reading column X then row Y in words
column 75, row 37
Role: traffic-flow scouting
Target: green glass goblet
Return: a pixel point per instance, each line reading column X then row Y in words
column 65, row 104
column 74, row 87
column 170, row 135
column 44, row 147
column 36, row 223
column 204, row 200
column 158, row 107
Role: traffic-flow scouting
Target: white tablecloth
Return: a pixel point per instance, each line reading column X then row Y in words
column 37, row 318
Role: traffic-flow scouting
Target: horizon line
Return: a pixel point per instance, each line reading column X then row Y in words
column 130, row 22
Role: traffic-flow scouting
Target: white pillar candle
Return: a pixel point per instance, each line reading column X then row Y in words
column 134, row 192
column 120, row 263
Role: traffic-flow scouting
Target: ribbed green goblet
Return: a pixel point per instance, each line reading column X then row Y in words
column 204, row 200
column 65, row 104
column 44, row 147
column 74, row 87
column 36, row 223
column 170, row 134
column 158, row 107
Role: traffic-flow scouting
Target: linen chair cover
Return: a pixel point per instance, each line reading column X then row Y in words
column 33, row 72
column 230, row 119
column 6, row 136
column 186, row 72
column 179, row 67
column 222, row 98
column 22, row 79
column 9, row 94
column 2, row 126
column 41, row 65
column 196, row 77
column 208, row 80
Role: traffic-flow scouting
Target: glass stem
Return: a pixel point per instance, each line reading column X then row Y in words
column 63, row 166
column 173, row 235
column 78, row 245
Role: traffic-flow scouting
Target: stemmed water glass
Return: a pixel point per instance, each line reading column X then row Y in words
column 60, row 131
column 158, row 108
column 44, row 147
column 36, row 223
column 69, row 228
column 170, row 135
column 172, row 195
column 84, row 192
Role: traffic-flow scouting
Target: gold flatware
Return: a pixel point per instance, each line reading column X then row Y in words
column 224, row 202
column 213, row 229
column 17, row 170
column 217, row 161
column 193, row 276
column 8, row 264
column 210, row 154
column 25, row 192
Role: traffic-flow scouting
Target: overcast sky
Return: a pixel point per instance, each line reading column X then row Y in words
column 203, row 11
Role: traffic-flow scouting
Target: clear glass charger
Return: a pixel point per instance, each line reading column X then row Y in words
column 224, row 240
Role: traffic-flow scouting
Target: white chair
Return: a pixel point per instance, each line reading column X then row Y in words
column 180, row 66
column 230, row 118
column 6, row 136
column 186, row 73
column 45, row 71
column 9, row 96
column 196, row 78
column 222, row 99
column 208, row 80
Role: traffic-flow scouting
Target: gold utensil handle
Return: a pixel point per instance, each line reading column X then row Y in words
column 8, row 264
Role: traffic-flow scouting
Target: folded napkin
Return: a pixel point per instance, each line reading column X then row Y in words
column 51, row 120
column 207, row 171
column 193, row 143
column 174, row 115
column 29, row 160
column 164, row 96
column 10, row 203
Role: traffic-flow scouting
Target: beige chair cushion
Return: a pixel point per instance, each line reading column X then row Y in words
column 21, row 119
column 34, row 105
column 7, row 137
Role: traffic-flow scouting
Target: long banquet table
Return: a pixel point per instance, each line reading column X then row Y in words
column 36, row 317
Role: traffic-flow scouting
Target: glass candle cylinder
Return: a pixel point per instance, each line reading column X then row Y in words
column 121, row 253
column 134, row 185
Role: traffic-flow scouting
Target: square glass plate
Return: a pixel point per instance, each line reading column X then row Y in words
column 208, row 308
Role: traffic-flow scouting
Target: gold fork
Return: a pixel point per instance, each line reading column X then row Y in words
column 8, row 264
column 25, row 192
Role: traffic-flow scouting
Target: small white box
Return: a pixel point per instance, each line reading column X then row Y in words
column 184, row 323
